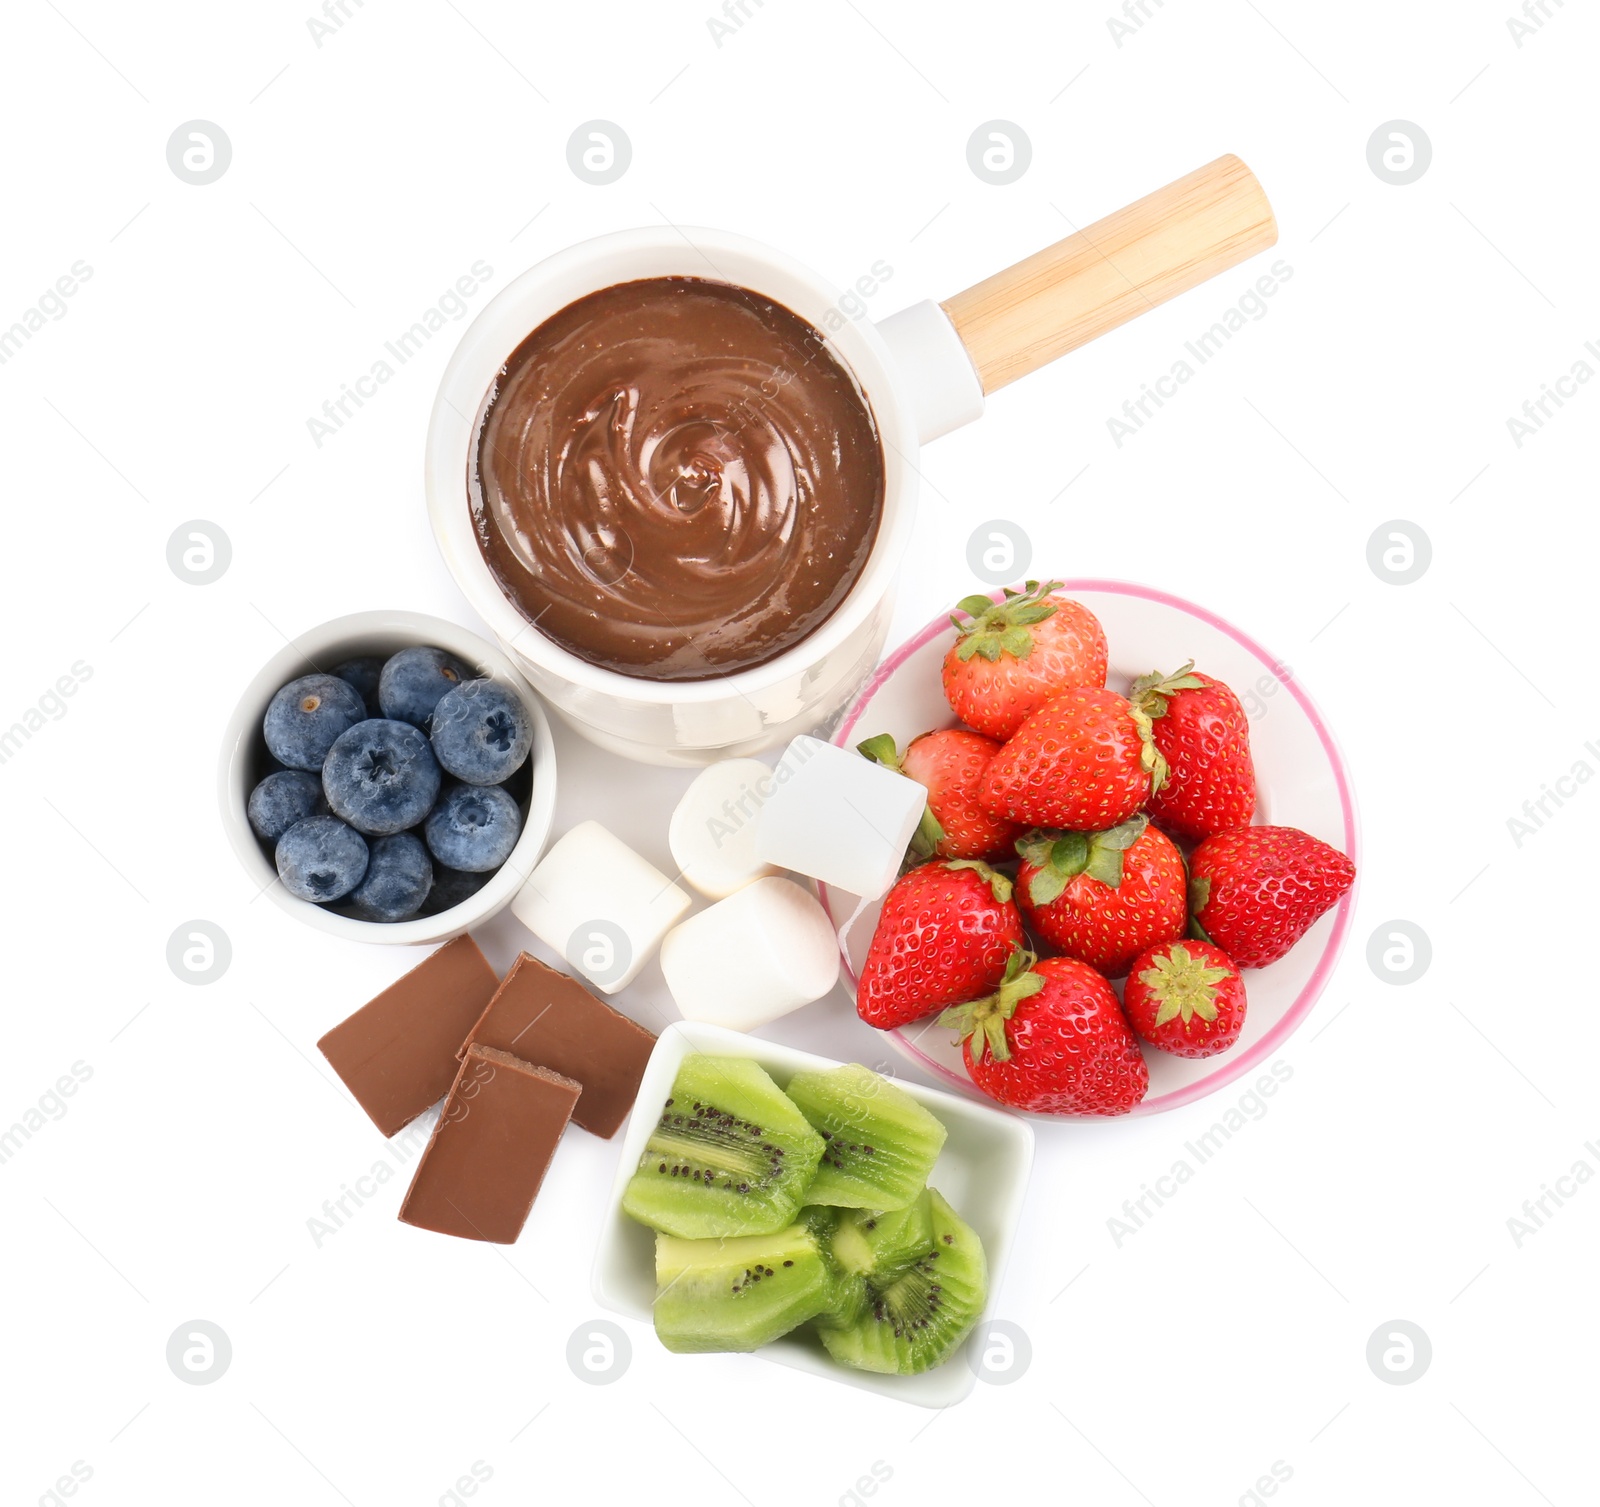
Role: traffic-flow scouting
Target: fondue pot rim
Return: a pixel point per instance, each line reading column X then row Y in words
column 628, row 256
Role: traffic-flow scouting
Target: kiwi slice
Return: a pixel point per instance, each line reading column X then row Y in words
column 848, row 1298
column 882, row 1243
column 730, row 1155
column 880, row 1143
column 918, row 1315
column 847, row 1303
column 740, row 1293
column 822, row 1220
column 862, row 1243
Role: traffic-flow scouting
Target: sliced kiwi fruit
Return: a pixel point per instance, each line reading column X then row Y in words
column 738, row 1293
column 848, row 1298
column 918, row 1315
column 730, row 1155
column 821, row 1220
column 863, row 1243
column 847, row 1302
column 881, row 1243
column 879, row 1143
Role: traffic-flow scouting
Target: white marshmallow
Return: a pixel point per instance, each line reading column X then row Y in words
column 838, row 817
column 764, row 951
column 713, row 829
column 600, row 905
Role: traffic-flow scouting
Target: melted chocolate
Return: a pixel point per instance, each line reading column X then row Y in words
column 676, row 479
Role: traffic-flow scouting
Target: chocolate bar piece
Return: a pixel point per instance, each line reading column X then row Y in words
column 397, row 1054
column 489, row 1152
column 545, row 1016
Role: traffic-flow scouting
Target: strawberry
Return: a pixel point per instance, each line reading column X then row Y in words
column 943, row 937
column 950, row 763
column 1011, row 657
column 1186, row 998
column 1052, row 1038
column 1084, row 761
column 1103, row 897
column 1201, row 730
column 1255, row 891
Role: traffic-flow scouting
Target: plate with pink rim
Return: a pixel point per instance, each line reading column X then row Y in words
column 1301, row 774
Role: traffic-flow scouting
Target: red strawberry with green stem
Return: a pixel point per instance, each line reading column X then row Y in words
column 1103, row 897
column 1084, row 762
column 1012, row 656
column 950, row 763
column 1256, row 891
column 1053, row 1039
column 943, row 936
column 1186, row 998
column 1200, row 728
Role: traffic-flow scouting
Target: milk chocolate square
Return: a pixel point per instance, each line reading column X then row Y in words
column 397, row 1053
column 488, row 1154
column 545, row 1016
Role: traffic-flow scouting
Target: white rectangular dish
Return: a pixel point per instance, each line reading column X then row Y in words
column 982, row 1170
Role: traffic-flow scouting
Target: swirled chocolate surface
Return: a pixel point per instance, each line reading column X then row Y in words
column 676, row 479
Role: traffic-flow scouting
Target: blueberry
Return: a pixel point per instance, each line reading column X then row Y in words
column 451, row 887
column 381, row 776
column 413, row 681
column 321, row 858
column 281, row 800
column 474, row 827
column 481, row 733
column 397, row 881
column 306, row 716
column 362, row 674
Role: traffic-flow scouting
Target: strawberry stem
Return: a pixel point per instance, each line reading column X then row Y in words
column 1152, row 692
column 1151, row 759
column 995, row 628
column 1199, row 897
column 984, row 1020
column 1148, row 698
column 881, row 750
column 999, row 884
column 1059, row 857
column 1185, row 986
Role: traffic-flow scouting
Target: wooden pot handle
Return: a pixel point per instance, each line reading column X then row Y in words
column 1064, row 296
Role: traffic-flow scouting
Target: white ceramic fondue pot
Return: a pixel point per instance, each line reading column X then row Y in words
column 924, row 371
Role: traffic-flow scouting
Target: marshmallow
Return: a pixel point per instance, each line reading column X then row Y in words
column 600, row 905
column 713, row 830
column 764, row 951
column 836, row 816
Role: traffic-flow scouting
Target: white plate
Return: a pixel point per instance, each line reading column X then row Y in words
column 1299, row 770
column 982, row 1170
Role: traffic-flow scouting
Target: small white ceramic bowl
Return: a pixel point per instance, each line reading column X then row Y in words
column 244, row 756
column 982, row 1170
column 1301, row 781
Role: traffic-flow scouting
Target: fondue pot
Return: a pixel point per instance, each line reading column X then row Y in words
column 923, row 372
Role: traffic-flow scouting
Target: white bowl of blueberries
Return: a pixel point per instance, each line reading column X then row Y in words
column 389, row 777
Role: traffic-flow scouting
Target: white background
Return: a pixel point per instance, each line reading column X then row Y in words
column 367, row 175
